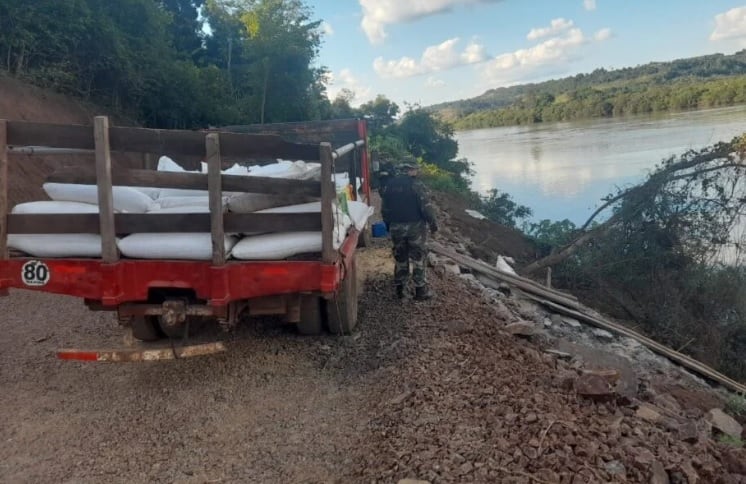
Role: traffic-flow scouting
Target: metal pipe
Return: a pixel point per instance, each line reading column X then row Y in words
column 343, row 150
column 45, row 150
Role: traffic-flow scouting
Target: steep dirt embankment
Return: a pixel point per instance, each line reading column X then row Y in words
column 22, row 102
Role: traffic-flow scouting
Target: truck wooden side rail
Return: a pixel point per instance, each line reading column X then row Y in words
column 159, row 297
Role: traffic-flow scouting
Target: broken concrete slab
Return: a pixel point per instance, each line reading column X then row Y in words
column 724, row 423
column 603, row 334
column 689, row 432
column 593, row 386
column 571, row 322
column 659, row 474
column 594, row 359
column 649, row 413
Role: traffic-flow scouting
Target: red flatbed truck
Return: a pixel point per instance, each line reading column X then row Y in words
column 159, row 297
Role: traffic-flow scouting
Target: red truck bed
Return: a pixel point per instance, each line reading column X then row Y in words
column 173, row 290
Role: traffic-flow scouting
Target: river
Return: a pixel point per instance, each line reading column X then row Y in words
column 562, row 170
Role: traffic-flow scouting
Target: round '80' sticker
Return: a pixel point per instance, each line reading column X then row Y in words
column 35, row 273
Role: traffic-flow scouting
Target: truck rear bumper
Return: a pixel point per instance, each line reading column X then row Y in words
column 131, row 280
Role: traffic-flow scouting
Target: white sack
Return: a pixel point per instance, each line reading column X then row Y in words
column 277, row 246
column 253, row 202
column 126, row 199
column 54, row 207
column 56, row 245
column 171, row 246
column 359, row 213
column 152, row 192
column 183, row 209
column 167, row 164
column 299, row 208
column 502, row 265
column 172, row 202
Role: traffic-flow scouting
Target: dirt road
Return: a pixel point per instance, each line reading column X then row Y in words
column 428, row 390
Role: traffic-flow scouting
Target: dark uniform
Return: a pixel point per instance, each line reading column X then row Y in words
column 407, row 212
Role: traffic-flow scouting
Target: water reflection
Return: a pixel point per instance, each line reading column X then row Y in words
column 562, row 170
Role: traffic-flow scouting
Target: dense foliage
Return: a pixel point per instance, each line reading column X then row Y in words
column 152, row 59
column 670, row 255
column 701, row 82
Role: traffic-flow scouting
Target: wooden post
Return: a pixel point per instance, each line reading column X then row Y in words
column 549, row 277
column 109, row 252
column 149, row 161
column 214, row 181
column 3, row 189
column 328, row 194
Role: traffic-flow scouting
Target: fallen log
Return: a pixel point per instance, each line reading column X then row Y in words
column 522, row 283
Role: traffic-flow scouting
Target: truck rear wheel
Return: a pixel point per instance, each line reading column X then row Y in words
column 310, row 315
column 145, row 328
column 341, row 310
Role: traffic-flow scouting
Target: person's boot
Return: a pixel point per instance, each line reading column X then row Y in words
column 400, row 291
column 422, row 293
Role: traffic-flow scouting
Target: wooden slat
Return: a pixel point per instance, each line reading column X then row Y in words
column 336, row 131
column 327, row 197
column 164, row 142
column 193, row 181
column 150, row 161
column 109, row 251
column 212, row 147
column 3, row 191
column 130, row 223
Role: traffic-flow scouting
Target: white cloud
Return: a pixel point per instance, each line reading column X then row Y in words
column 327, row 28
column 379, row 13
column 557, row 26
column 435, row 58
column 551, row 51
column 730, row 25
column 589, row 4
column 603, row 34
column 433, row 82
column 345, row 79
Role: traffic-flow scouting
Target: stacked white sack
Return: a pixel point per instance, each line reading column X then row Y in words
column 56, row 245
column 186, row 246
column 286, row 244
column 126, row 199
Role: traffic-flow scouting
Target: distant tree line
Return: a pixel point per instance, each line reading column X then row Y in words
column 156, row 61
column 701, row 82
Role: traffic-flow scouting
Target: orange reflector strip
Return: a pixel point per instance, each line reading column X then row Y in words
column 78, row 355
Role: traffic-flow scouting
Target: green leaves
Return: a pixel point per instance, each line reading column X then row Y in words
column 151, row 60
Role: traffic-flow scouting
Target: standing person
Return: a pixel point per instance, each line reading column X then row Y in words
column 407, row 213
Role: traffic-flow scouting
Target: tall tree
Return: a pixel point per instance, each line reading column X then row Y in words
column 186, row 27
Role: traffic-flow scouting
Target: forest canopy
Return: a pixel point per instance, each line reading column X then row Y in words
column 700, row 82
column 156, row 61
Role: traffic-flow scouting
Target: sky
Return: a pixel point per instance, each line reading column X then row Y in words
column 431, row 51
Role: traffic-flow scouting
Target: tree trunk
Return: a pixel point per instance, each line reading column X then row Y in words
column 264, row 90
column 21, row 57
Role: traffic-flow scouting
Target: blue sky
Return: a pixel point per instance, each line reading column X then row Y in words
column 429, row 51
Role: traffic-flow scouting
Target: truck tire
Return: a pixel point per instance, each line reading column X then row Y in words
column 146, row 328
column 310, row 315
column 366, row 237
column 341, row 309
